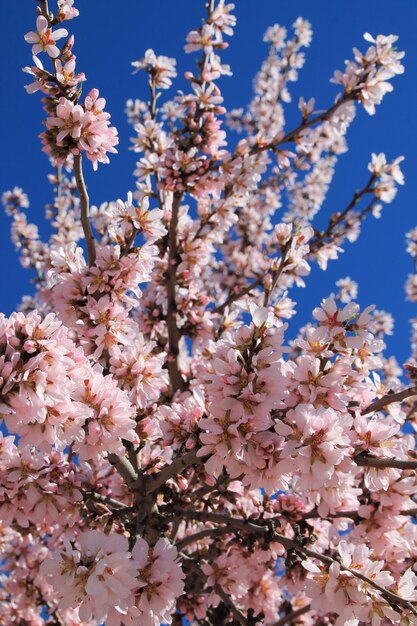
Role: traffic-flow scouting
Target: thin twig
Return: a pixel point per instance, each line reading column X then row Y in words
column 85, row 209
column 226, row 599
column 79, row 177
column 177, row 382
column 218, row 518
column 127, row 246
column 291, row 544
column 389, row 399
column 202, row 534
column 389, row 595
column 237, row 295
column 43, row 5
column 116, row 504
column 317, row 242
column 353, row 515
column 290, row 617
column 412, row 512
column 289, row 137
column 294, row 134
column 53, row 611
column 277, row 273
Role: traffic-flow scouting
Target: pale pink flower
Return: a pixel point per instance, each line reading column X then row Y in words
column 159, row 584
column 406, row 587
column 96, row 577
column 223, row 19
column 161, row 68
column 44, row 39
column 66, row 10
column 66, row 73
column 69, row 118
column 203, row 39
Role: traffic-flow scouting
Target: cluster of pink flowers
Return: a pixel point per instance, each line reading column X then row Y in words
column 161, row 68
column 265, row 117
column 71, row 127
column 75, row 127
column 243, row 388
column 52, row 396
column 171, row 449
column 366, row 78
column 106, row 581
column 351, row 602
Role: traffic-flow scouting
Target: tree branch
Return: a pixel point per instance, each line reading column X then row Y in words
column 389, row 399
column 53, row 611
column 287, row 619
column 79, row 176
column 169, row 471
column 277, row 273
column 412, row 512
column 116, row 504
column 177, row 382
column 43, row 5
column 239, row 294
column 85, row 208
column 322, row 117
column 317, row 242
column 202, row 534
column 370, row 461
column 291, row 544
column 293, row 134
column 289, row 137
column 239, row 617
column 124, row 467
column 390, row 596
column 218, row 518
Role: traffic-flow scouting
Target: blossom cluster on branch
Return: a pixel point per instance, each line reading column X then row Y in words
column 168, row 455
column 71, row 127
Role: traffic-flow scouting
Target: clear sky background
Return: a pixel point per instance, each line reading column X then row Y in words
column 109, row 35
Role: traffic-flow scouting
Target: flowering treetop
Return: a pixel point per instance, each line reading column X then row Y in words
column 169, row 454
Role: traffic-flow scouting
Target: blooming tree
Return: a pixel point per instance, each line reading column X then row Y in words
column 167, row 454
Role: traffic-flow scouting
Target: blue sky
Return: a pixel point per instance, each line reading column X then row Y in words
column 109, row 36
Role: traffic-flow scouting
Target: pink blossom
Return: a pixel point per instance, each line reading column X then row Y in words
column 96, row 577
column 162, row 68
column 170, row 447
column 67, row 11
column 44, row 39
column 69, row 118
